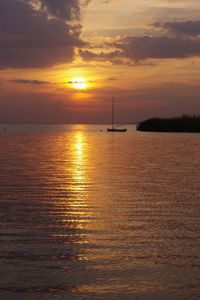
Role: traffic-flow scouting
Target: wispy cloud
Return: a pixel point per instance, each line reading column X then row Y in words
column 26, row 81
column 110, row 78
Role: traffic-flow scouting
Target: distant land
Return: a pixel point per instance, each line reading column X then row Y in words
column 183, row 123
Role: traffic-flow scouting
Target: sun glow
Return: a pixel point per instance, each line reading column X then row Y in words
column 79, row 83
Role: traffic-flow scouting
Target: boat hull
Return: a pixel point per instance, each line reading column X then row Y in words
column 116, row 129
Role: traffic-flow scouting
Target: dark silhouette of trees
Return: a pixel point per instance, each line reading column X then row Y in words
column 185, row 123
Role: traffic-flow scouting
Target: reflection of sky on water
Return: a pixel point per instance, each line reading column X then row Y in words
column 44, row 222
column 89, row 214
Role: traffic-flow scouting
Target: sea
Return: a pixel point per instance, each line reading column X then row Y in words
column 88, row 214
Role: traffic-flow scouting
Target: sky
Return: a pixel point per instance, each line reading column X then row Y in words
column 62, row 61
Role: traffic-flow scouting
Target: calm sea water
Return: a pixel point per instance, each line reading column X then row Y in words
column 86, row 214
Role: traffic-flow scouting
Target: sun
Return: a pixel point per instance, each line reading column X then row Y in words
column 79, row 83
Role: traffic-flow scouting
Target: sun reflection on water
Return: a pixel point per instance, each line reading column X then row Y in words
column 78, row 157
column 71, row 208
column 77, row 204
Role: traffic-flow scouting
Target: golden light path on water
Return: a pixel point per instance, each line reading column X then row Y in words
column 76, row 205
column 90, row 215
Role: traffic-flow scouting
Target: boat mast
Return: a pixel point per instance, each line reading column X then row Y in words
column 113, row 112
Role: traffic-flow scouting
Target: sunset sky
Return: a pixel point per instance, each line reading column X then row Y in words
column 61, row 61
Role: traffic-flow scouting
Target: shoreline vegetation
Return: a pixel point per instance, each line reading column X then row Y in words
column 185, row 123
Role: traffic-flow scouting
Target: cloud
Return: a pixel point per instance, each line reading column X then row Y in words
column 137, row 49
column 87, row 2
column 64, row 9
column 88, row 55
column 142, row 48
column 111, row 78
column 190, row 28
column 33, row 82
column 30, row 39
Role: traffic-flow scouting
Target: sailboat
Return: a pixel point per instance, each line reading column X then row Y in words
column 113, row 128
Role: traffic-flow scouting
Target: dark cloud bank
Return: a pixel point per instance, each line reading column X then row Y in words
column 37, row 38
column 177, row 40
column 39, row 34
column 190, row 28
